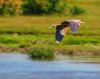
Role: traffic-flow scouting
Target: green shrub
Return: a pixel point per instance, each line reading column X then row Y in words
column 7, row 9
column 41, row 53
column 43, row 6
column 76, row 10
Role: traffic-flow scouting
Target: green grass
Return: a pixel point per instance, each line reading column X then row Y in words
column 71, row 45
column 80, row 40
column 47, row 39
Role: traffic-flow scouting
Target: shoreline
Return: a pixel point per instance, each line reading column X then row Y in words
column 69, row 59
column 58, row 53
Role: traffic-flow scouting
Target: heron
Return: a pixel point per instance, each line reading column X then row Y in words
column 61, row 28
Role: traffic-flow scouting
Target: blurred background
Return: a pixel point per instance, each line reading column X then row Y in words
column 26, row 23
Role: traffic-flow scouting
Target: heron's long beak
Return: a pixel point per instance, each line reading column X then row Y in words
column 82, row 22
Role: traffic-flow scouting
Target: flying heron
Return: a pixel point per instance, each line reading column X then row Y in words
column 61, row 29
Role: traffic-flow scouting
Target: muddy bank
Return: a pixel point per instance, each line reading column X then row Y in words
column 12, row 49
column 57, row 51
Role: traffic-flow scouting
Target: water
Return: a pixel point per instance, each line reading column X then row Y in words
column 19, row 66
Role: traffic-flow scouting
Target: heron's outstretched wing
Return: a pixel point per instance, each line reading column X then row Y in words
column 74, row 25
column 60, row 32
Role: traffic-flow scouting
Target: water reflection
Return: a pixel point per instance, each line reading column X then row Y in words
column 19, row 66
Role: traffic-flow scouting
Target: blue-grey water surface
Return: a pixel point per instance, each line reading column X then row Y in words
column 19, row 66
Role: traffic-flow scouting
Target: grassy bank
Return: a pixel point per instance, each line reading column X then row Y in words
column 21, row 33
column 71, row 45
